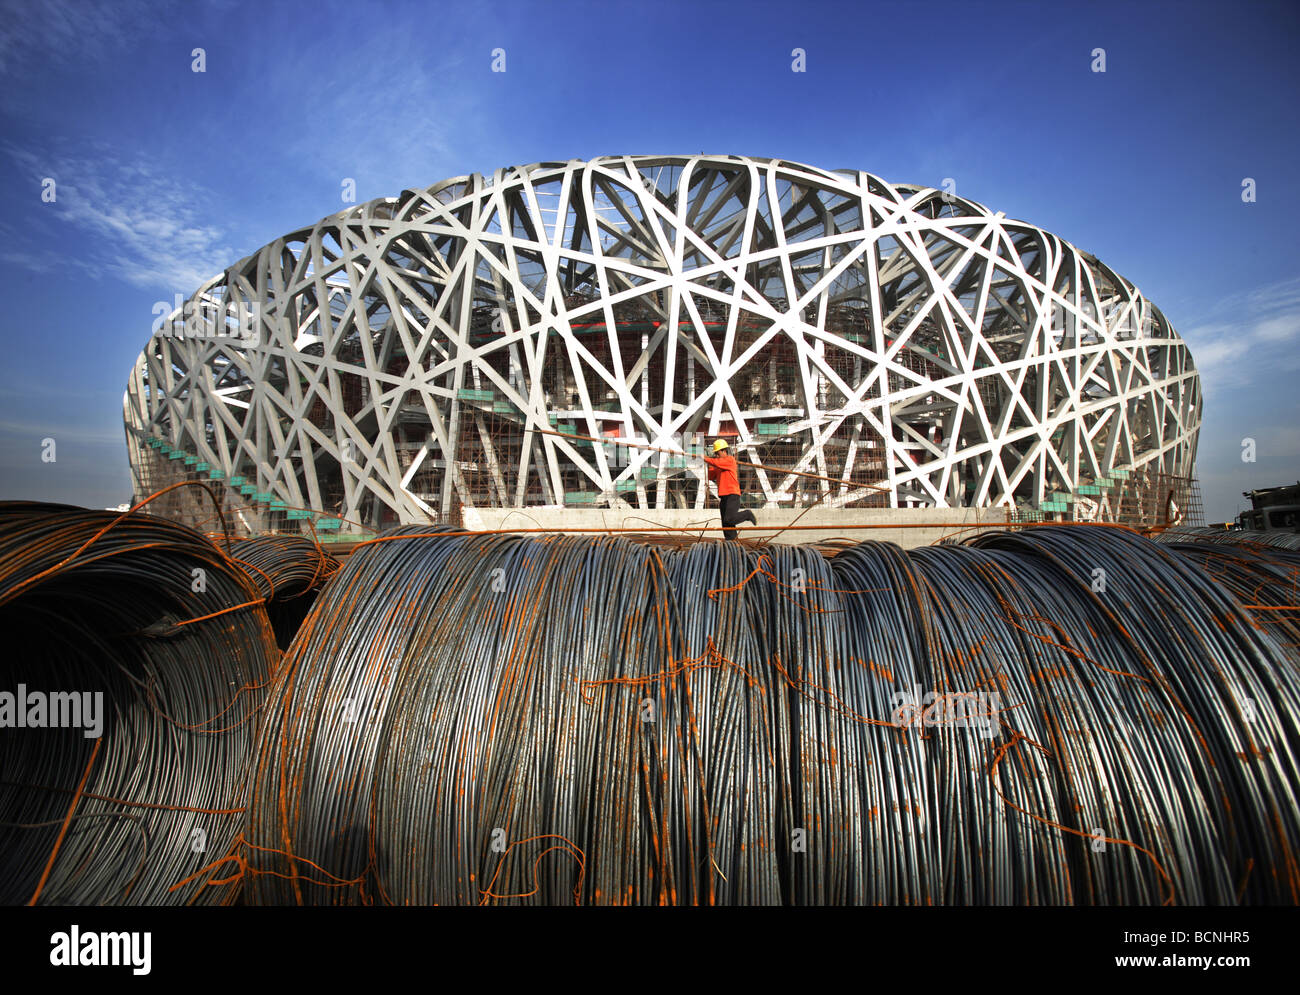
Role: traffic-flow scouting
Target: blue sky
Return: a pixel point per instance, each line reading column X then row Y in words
column 165, row 176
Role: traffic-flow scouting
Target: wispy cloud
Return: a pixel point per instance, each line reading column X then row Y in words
column 386, row 129
column 70, row 31
column 129, row 220
column 1242, row 328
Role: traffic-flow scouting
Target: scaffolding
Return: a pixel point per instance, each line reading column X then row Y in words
column 1151, row 499
column 163, row 467
column 239, row 508
column 773, row 427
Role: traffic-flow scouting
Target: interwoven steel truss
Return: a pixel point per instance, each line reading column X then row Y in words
column 914, row 347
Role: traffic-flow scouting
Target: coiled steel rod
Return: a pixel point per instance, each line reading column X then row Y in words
column 1058, row 715
column 171, row 632
column 287, row 570
column 1233, row 537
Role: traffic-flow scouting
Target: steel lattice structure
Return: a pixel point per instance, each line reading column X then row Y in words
column 915, row 347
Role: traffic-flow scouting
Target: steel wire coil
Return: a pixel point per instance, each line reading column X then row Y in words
column 1234, row 537
column 1265, row 580
column 1206, row 730
column 96, row 602
column 287, row 570
column 283, row 566
column 473, row 719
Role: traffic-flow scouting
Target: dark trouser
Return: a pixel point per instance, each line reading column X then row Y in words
column 732, row 515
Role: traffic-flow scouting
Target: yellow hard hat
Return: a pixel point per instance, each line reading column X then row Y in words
column 719, row 445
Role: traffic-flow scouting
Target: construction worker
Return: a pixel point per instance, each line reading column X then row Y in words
column 722, row 468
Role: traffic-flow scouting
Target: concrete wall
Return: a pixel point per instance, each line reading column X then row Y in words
column 830, row 523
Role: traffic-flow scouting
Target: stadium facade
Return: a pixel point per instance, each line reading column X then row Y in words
column 462, row 345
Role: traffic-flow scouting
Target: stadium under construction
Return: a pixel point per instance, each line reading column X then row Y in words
column 560, row 337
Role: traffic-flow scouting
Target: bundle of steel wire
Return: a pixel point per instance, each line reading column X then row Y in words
column 1066, row 715
column 288, row 570
column 284, row 566
column 169, row 630
column 1236, row 537
column 1266, row 580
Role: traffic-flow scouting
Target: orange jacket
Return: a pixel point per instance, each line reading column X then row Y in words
column 723, row 470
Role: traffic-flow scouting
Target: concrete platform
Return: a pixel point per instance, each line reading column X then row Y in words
column 908, row 527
